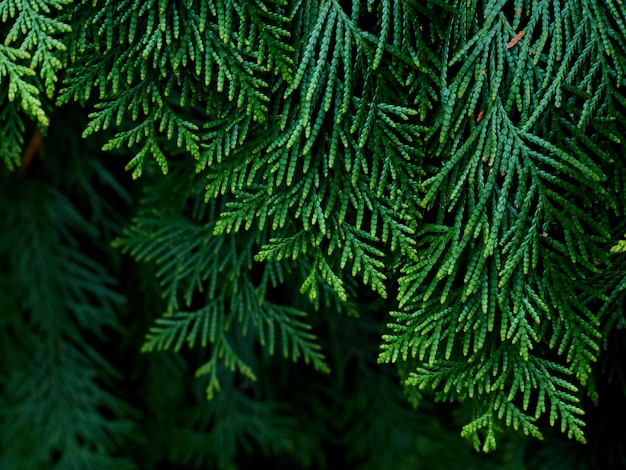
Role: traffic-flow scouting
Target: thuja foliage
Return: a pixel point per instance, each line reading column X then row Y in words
column 434, row 184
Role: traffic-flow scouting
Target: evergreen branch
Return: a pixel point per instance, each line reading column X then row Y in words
column 170, row 332
column 56, row 377
column 190, row 258
column 12, row 129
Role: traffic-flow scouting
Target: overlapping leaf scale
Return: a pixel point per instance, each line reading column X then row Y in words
column 505, row 388
column 509, row 240
column 31, row 59
column 202, row 55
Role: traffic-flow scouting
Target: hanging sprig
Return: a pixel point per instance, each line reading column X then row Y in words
column 503, row 262
column 31, row 59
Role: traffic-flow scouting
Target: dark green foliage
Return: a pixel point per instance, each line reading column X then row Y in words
column 322, row 188
column 59, row 306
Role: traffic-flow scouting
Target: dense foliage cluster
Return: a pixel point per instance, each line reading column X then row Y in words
column 435, row 184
